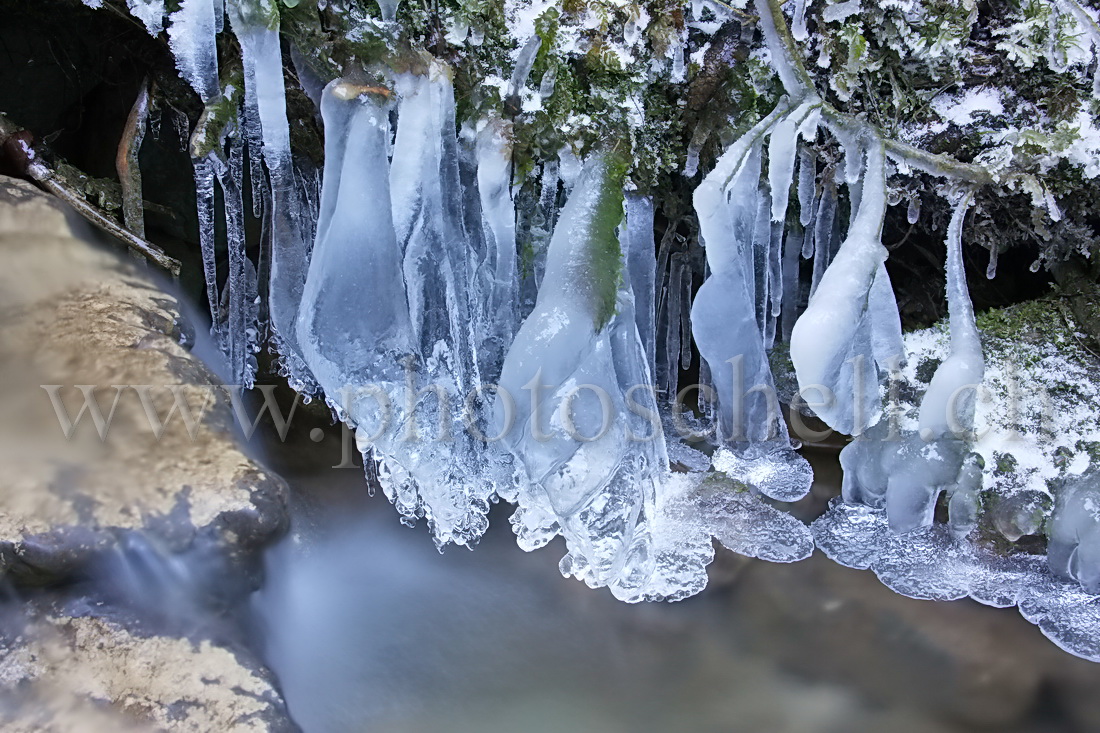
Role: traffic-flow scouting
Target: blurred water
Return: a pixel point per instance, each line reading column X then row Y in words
column 370, row 629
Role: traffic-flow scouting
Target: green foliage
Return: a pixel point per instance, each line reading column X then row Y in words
column 605, row 254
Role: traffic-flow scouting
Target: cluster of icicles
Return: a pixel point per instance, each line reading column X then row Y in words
column 403, row 279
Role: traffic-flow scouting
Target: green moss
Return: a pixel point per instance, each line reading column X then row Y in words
column 219, row 114
column 1028, row 321
column 605, row 255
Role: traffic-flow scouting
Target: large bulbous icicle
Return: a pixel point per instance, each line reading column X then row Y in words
column 354, row 323
column 833, row 344
column 578, row 355
column 443, row 474
column 733, row 315
column 1073, row 547
column 948, row 405
column 905, row 473
column 723, row 315
column 290, row 219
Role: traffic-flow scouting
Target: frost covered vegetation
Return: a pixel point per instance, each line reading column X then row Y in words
column 473, row 280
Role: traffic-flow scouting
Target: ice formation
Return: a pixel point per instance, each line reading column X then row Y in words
column 494, row 337
column 906, row 471
column 590, row 444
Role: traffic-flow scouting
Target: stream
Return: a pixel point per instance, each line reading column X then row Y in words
column 369, row 628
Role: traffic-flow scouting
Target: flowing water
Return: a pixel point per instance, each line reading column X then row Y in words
column 370, row 629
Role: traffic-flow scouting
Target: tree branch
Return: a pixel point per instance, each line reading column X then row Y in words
column 799, row 84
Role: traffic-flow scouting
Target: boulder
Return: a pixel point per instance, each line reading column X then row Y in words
column 75, row 314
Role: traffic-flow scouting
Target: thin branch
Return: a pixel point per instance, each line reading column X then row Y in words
column 798, row 83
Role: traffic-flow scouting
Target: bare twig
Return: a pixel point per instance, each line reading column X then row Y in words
column 127, row 165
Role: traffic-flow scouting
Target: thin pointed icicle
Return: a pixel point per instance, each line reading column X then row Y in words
column 494, row 179
column 290, row 219
column 671, row 381
column 641, row 266
column 240, row 330
column 831, row 343
column 948, row 405
column 192, row 38
column 791, row 249
column 758, row 258
column 824, row 224
column 807, row 183
column 204, row 202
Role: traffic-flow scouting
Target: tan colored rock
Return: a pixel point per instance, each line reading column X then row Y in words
column 74, row 314
column 85, row 674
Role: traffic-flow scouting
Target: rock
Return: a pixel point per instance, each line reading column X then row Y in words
column 76, row 315
column 88, row 674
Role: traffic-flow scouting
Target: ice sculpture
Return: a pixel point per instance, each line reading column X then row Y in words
column 402, row 368
column 906, row 472
column 290, row 217
column 844, row 336
column 589, row 442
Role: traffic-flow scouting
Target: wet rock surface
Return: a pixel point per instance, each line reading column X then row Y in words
column 76, row 315
column 62, row 673
column 124, row 546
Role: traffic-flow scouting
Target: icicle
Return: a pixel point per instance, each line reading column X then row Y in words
column 671, row 379
column 991, row 268
column 851, row 143
column 807, row 181
column 948, row 404
column 149, row 12
column 912, row 214
column 289, row 217
column 354, row 322
column 887, row 344
column 389, row 9
column 524, row 63
column 823, row 233
column 791, row 249
column 192, row 38
column 240, row 328
column 781, row 159
column 204, row 199
column 641, row 267
column 759, row 259
column 830, row 344
column 727, row 333
column 685, row 318
column 548, row 83
column 494, row 179
column 798, row 26
column 194, row 46
column 601, row 493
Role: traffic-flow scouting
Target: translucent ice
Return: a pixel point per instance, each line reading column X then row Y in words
column 725, row 323
column 831, row 344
